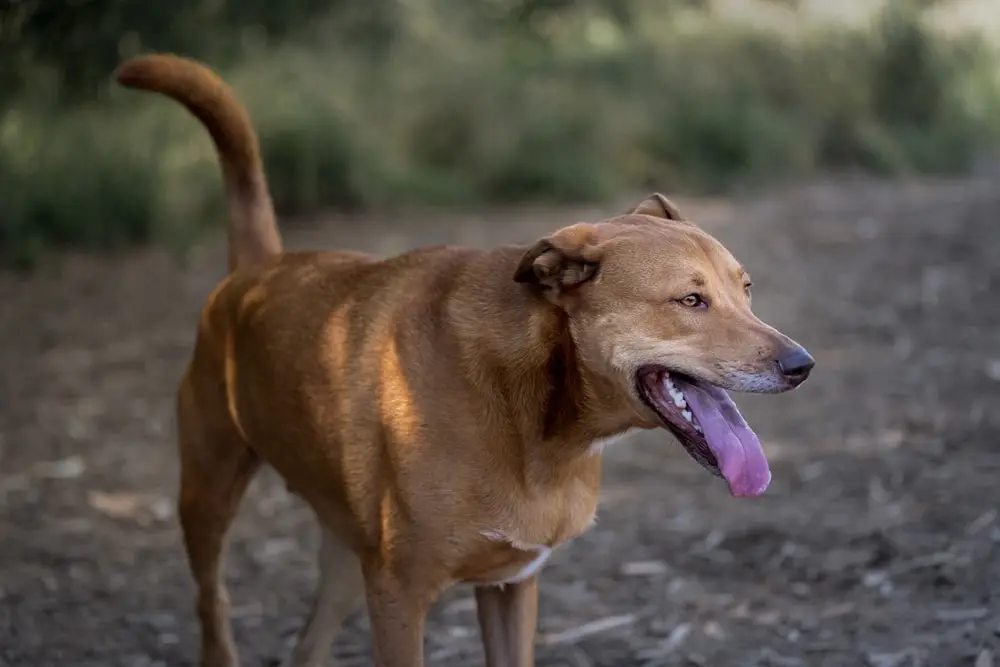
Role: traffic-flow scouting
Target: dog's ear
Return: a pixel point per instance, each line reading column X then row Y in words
column 659, row 206
column 561, row 261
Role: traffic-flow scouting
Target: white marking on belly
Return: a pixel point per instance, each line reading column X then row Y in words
column 529, row 570
column 597, row 446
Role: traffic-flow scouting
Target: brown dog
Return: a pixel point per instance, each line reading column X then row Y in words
column 443, row 411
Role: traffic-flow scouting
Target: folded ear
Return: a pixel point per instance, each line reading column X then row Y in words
column 659, row 206
column 563, row 260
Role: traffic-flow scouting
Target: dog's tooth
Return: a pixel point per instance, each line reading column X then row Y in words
column 698, row 428
column 687, row 415
column 678, row 397
column 675, row 393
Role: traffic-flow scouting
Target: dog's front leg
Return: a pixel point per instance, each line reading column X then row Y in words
column 508, row 616
column 397, row 608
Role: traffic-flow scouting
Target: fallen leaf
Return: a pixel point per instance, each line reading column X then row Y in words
column 142, row 507
column 115, row 505
column 647, row 568
column 68, row 468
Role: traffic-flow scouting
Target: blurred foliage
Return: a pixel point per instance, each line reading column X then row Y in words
column 386, row 103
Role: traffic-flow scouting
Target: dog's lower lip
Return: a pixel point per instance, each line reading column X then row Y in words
column 684, row 426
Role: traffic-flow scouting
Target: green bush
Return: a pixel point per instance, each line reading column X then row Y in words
column 68, row 182
column 458, row 111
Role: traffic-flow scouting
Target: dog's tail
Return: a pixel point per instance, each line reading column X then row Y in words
column 253, row 230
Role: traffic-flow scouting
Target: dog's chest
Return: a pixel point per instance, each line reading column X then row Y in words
column 523, row 560
column 519, row 546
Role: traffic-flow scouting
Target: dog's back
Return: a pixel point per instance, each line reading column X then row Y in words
column 325, row 347
column 338, row 348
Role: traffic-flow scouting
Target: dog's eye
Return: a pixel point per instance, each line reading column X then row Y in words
column 747, row 287
column 693, row 301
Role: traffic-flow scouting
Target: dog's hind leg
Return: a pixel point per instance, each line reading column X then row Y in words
column 340, row 589
column 216, row 468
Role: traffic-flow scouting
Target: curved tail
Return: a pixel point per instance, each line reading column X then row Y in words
column 253, row 230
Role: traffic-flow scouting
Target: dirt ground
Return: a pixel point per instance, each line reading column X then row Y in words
column 877, row 545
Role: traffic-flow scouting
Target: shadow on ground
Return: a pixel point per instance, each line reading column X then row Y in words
column 877, row 545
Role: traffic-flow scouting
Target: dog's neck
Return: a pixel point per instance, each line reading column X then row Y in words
column 553, row 408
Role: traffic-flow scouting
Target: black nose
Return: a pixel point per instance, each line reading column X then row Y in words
column 795, row 363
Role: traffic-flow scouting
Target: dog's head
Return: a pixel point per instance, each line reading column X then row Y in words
column 661, row 309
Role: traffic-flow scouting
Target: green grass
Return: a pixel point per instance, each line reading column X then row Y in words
column 456, row 120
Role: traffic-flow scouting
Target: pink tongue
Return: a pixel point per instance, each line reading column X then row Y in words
column 735, row 446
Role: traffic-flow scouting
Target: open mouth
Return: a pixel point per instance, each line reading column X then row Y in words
column 708, row 424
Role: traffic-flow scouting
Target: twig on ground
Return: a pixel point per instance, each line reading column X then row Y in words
column 573, row 635
column 961, row 615
column 669, row 645
column 578, row 658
